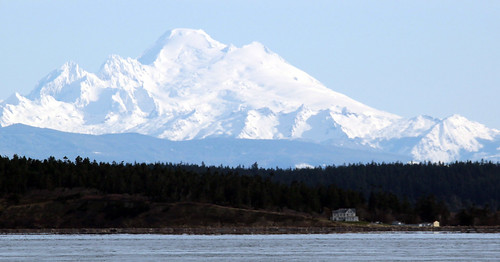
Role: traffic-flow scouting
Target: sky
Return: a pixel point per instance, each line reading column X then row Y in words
column 410, row 58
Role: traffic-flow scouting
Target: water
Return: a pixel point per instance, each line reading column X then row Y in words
column 331, row 247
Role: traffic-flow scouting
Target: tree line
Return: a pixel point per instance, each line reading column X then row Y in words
column 380, row 192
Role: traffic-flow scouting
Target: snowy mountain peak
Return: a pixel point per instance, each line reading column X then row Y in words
column 461, row 125
column 193, row 37
column 175, row 44
column 404, row 127
column 58, row 83
column 453, row 136
column 457, row 119
column 190, row 86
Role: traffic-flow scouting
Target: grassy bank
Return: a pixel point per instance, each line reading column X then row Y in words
column 85, row 211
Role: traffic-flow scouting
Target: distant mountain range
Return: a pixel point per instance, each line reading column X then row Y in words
column 223, row 104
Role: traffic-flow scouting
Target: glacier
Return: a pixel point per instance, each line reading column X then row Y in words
column 190, row 87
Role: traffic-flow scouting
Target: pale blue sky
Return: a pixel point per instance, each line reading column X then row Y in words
column 406, row 57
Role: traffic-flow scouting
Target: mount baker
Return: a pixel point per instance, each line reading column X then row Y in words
column 190, row 87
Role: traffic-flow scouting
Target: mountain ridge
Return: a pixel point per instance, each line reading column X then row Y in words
column 189, row 86
column 42, row 143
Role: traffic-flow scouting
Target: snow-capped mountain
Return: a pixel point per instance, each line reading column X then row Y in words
column 453, row 136
column 450, row 139
column 189, row 86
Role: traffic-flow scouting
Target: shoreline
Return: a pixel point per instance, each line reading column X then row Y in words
column 251, row 230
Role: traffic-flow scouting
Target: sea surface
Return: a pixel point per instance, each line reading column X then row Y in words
column 399, row 246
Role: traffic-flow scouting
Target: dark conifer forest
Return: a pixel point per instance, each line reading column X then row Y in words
column 461, row 193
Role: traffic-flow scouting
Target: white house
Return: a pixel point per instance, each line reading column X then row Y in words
column 344, row 214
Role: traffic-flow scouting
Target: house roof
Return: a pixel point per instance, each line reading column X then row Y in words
column 344, row 210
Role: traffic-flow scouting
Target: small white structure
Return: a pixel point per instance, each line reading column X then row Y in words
column 344, row 214
column 435, row 224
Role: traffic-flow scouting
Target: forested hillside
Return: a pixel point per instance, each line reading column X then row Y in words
column 380, row 192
